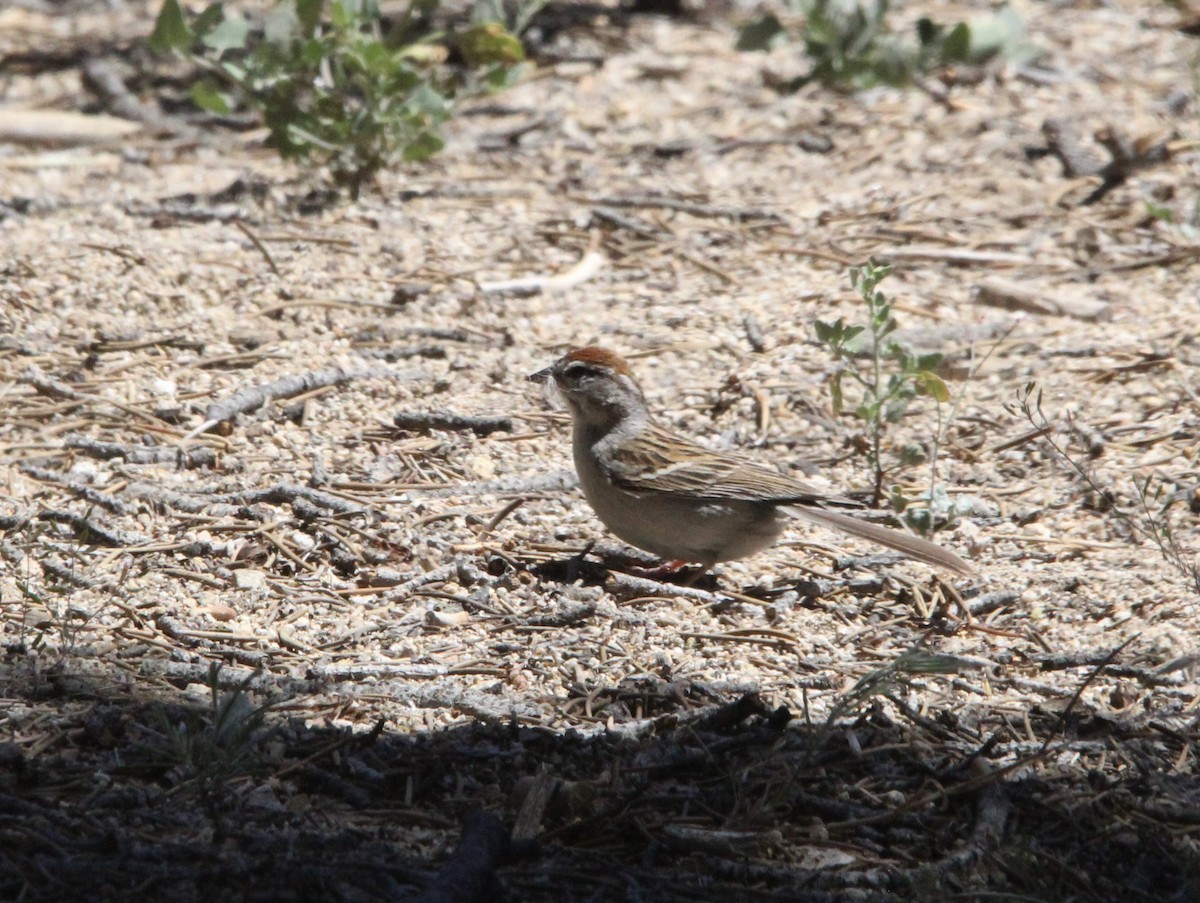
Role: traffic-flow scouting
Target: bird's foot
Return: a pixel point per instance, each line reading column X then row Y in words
column 671, row 571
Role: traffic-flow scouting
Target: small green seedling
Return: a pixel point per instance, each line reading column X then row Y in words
column 881, row 374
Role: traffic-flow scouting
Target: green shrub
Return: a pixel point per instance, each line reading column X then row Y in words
column 334, row 86
column 851, row 46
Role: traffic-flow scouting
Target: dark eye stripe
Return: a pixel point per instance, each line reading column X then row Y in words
column 577, row 369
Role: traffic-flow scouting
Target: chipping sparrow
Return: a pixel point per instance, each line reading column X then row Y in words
column 681, row 501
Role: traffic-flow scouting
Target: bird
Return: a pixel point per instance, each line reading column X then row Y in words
column 680, row 501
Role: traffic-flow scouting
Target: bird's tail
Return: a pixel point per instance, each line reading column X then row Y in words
column 905, row 543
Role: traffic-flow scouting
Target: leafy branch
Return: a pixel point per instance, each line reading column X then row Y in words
column 336, row 84
column 882, row 397
column 852, row 47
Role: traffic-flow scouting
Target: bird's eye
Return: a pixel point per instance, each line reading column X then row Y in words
column 575, row 371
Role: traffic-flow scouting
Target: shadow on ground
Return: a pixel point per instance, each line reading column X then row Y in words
column 110, row 791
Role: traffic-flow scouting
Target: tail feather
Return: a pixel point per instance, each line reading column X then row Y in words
column 906, row 543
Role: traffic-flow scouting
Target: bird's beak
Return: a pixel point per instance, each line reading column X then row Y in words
column 542, row 376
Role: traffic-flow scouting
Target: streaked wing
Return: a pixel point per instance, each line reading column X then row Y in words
column 655, row 464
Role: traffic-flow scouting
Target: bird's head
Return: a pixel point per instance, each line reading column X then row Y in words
column 597, row 386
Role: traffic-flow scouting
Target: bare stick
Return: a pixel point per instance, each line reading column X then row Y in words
column 141, row 454
column 255, row 397
column 86, row 529
column 87, row 493
column 664, row 203
column 53, row 388
column 262, row 249
column 588, row 266
column 227, row 503
column 626, row 586
column 419, row 421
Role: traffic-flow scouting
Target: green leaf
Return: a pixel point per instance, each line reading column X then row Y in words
column 761, row 34
column 212, row 16
column 868, row 412
column 428, row 101
column 956, row 46
column 229, row 35
column 1159, row 212
column 487, row 11
column 912, row 454
column 503, row 76
column 312, row 52
column 308, row 12
column 1001, row 33
column 207, row 96
column 235, row 71
column 281, row 24
column 826, row 332
column 491, row 42
column 374, row 57
column 424, row 146
column 929, row 383
column 895, row 410
column 527, row 10
column 855, row 340
column 343, row 14
column 171, row 30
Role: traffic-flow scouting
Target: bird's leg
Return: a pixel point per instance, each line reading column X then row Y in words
column 672, row 568
column 658, row 572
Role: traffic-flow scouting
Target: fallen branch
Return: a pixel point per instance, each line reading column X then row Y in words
column 569, row 615
column 1010, row 295
column 44, row 384
column 180, row 633
column 989, row 602
column 548, row 482
column 681, row 206
column 992, row 808
column 63, row 128
column 357, row 671
column 90, row 494
column 255, row 397
column 588, row 266
column 418, row 421
column 86, row 529
column 227, row 504
column 627, row 586
column 67, row 574
column 102, row 76
column 1127, row 156
column 142, row 454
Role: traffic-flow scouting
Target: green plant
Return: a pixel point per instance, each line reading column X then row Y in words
column 889, row 681
column 516, row 20
column 335, row 83
column 852, row 47
column 208, row 748
column 892, row 377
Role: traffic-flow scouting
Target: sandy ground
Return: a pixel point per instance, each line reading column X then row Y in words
column 411, row 601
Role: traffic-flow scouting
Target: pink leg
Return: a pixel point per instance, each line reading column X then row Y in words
column 669, row 569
